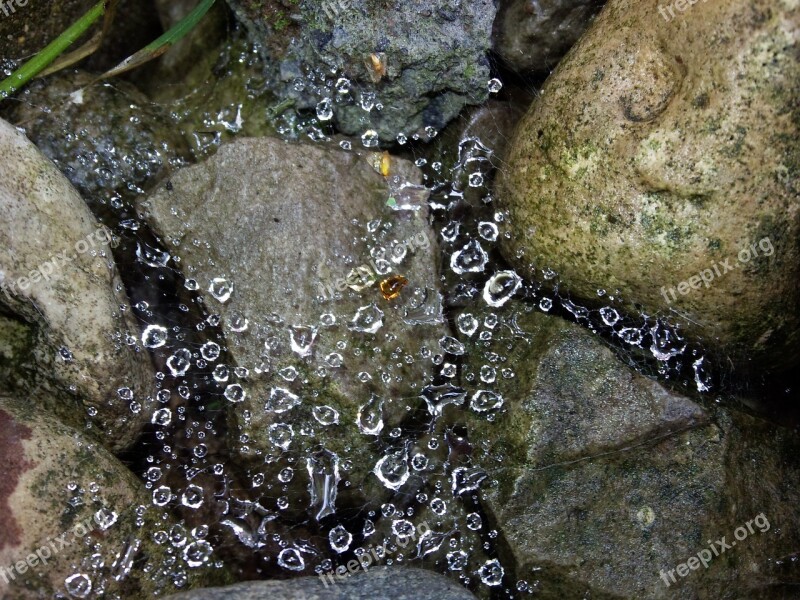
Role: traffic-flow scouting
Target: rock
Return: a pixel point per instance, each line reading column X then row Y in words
column 269, row 231
column 64, row 498
column 398, row 583
column 531, row 36
column 660, row 153
column 603, row 479
column 434, row 55
column 107, row 139
column 59, row 282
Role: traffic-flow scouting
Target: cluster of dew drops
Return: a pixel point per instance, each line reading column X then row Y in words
column 483, row 284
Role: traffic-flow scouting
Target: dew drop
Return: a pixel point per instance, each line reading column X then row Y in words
column 471, row 258
column 179, row 363
column 280, row 400
column 500, row 287
column 370, row 416
column 220, row 289
column 326, row 415
column 235, row 393
column 368, row 319
column 154, row 336
column 280, row 434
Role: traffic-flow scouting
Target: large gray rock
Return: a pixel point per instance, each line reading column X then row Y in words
column 603, row 479
column 532, row 35
column 435, row 57
column 268, row 230
column 60, row 284
column 381, row 582
column 660, row 161
column 64, row 499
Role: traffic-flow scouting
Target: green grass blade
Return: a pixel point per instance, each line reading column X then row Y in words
column 50, row 52
column 164, row 42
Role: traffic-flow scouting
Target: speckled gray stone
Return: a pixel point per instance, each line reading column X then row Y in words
column 384, row 583
column 81, row 356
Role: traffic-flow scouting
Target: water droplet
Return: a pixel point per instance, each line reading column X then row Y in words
column 179, row 362
column 326, row 415
column 457, row 561
column 439, row 396
column 485, row 400
column 281, row 435
column 467, row 324
column 491, row 573
column 451, row 345
column 495, row 85
column 288, row 373
column 343, row 85
column 290, row 558
column 368, row 319
column 488, row 231
column 403, row 528
column 150, row 256
column 105, row 518
column 220, row 289
column 154, row 336
column 474, row 521
column 323, row 470
column 370, row 138
column 466, row 479
column 370, row 416
column 302, row 339
column 470, row 259
column 438, row 506
column 631, row 335
column 430, row 542
column 162, row 417
column 280, row 400
column 392, row 469
column 476, row 180
column 500, row 287
column 419, row 462
column 221, row 373
column 162, row 496
column 238, row 323
column 340, row 539
column 210, row 351
column 197, row 553
column 78, row 585
column 192, row 497
column 235, row 393
column 325, row 109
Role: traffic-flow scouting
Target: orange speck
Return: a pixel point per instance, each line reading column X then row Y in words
column 391, row 286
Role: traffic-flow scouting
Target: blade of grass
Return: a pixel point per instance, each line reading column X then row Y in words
column 50, row 52
column 89, row 47
column 163, row 43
